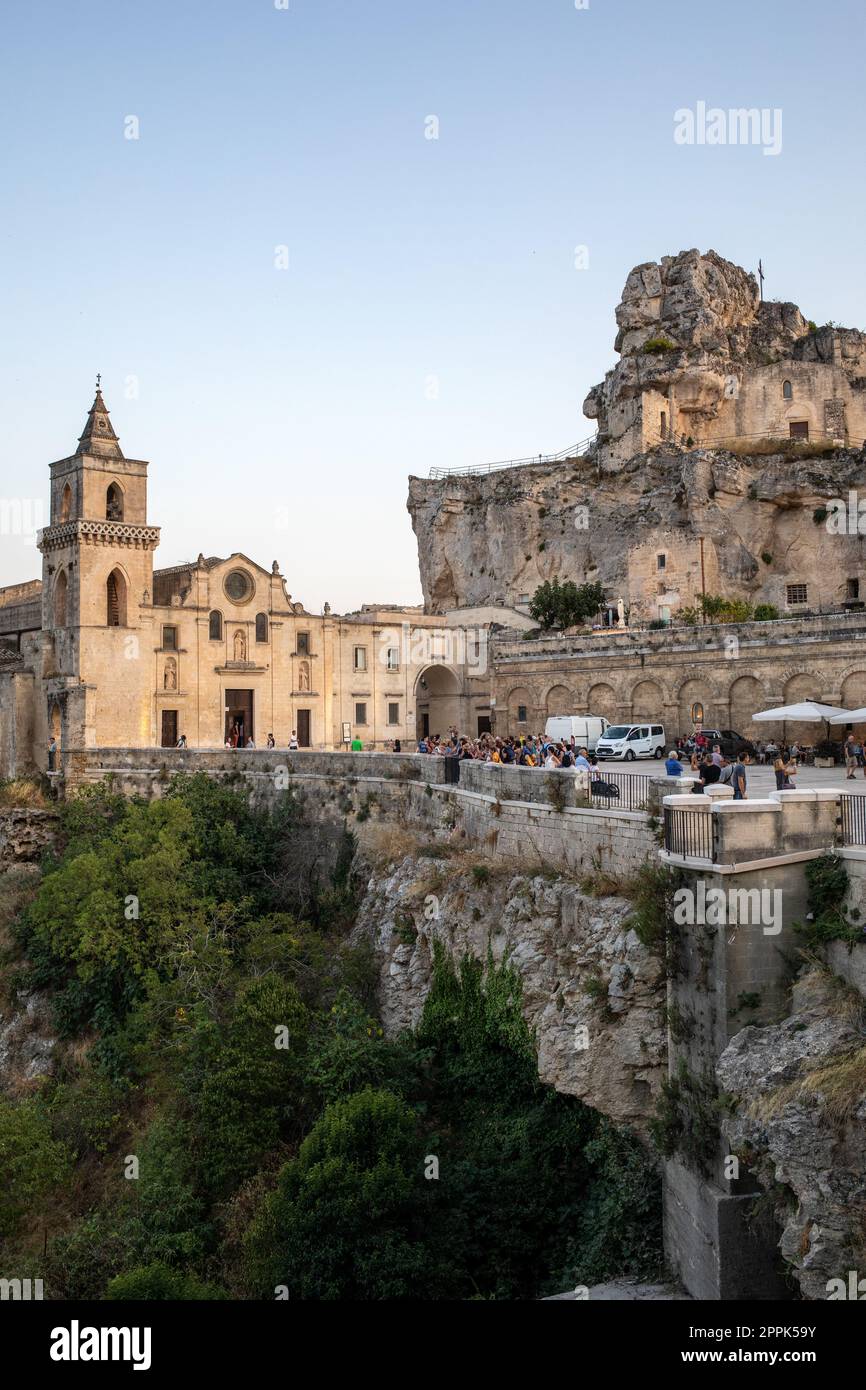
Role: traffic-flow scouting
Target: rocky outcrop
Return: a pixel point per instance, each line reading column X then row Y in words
column 25, row 834
column 27, row 1042
column 487, row 539
column 693, row 445
column 593, row 995
column 799, row 1121
column 697, row 322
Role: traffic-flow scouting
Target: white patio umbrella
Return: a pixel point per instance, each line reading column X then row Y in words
column 851, row 716
column 806, row 712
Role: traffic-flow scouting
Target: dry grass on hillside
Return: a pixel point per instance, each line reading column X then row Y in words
column 22, row 792
column 837, row 1088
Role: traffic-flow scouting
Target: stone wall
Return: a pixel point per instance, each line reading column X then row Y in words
column 732, row 670
column 405, row 788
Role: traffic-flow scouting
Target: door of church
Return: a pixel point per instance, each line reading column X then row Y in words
column 169, row 728
column 303, row 728
column 239, row 717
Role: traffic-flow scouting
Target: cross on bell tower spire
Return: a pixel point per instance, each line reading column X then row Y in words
column 98, row 436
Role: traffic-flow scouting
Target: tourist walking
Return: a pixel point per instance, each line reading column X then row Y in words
column 850, row 758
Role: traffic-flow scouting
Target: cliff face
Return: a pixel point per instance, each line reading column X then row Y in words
column 800, row 1116
column 704, row 367
column 491, row 538
column 593, row 995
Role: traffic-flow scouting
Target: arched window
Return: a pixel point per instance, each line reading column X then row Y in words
column 261, row 627
column 787, row 391
column 61, row 588
column 66, row 503
column 115, row 593
column 113, row 503
column 215, row 626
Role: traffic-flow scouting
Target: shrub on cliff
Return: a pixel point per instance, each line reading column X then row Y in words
column 565, row 605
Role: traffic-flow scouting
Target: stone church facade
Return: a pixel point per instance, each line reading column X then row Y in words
column 108, row 651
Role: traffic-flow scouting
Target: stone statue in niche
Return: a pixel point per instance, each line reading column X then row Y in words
column 240, row 647
column 169, row 680
column 304, row 675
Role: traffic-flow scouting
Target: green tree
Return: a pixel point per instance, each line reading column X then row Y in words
column 545, row 605
column 160, row 1281
column 343, row 1222
column 32, row 1162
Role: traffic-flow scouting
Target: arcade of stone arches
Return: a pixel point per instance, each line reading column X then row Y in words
column 681, row 706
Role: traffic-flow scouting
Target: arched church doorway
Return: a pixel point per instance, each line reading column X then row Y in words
column 439, row 702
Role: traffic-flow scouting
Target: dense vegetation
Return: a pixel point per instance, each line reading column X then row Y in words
column 227, row 1118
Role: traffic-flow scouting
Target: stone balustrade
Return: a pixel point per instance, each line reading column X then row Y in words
column 785, row 824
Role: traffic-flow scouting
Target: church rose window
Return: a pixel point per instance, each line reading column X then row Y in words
column 239, row 586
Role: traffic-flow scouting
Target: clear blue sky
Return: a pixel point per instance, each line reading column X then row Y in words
column 262, row 390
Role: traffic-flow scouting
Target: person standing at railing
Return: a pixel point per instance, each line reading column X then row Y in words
column 738, row 780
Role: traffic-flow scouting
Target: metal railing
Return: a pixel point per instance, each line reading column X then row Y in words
column 572, row 452
column 688, row 833
column 624, row 791
column 853, row 819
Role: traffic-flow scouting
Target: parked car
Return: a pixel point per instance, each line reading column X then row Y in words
column 732, row 744
column 626, row 742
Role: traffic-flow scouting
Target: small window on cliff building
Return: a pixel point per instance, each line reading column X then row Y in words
column 521, row 714
column 798, row 593
column 852, row 588
column 664, row 426
column 661, row 562
column 799, row 429
column 787, row 391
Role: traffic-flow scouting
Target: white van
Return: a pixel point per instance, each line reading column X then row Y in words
column 585, row 729
column 629, row 741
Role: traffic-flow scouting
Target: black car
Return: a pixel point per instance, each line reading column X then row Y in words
column 732, row 744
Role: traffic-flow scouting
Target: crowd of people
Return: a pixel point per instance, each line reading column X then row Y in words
column 707, row 763
column 530, row 750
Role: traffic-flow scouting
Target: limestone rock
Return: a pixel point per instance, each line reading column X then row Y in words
column 27, row 1042
column 805, row 1139
column 593, row 995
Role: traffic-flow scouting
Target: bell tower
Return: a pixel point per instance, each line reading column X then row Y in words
column 97, row 586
